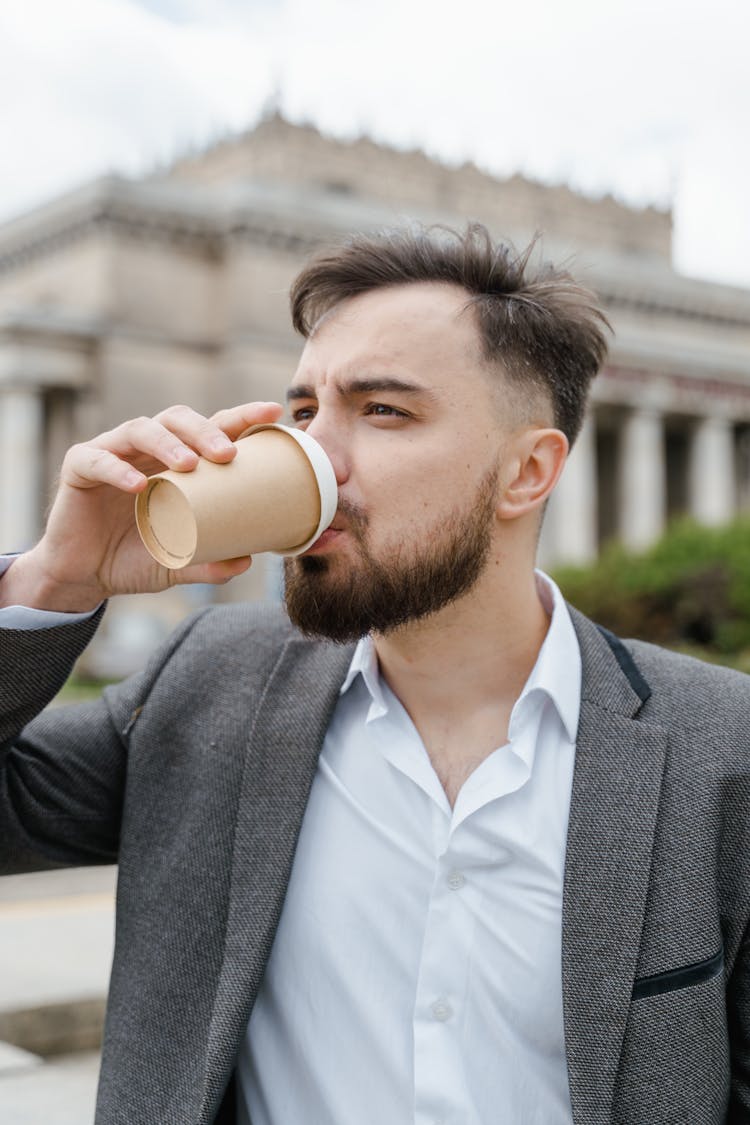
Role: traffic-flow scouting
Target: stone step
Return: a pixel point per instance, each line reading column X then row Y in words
column 13, row 1059
column 60, row 1091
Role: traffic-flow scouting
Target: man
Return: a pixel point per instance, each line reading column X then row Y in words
column 441, row 850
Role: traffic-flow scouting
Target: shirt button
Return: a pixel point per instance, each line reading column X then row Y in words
column 441, row 1011
column 456, row 880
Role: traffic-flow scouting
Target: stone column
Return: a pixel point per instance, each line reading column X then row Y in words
column 712, row 485
column 643, row 479
column 21, row 463
column 570, row 534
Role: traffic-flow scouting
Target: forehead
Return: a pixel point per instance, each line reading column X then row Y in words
column 424, row 326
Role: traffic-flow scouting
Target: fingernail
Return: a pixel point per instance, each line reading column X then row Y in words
column 221, row 444
column 180, row 452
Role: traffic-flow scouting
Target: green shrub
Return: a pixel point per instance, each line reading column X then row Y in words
column 690, row 588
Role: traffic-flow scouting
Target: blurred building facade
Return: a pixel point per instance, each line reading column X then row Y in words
column 125, row 296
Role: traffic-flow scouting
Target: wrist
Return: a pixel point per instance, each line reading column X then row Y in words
column 28, row 582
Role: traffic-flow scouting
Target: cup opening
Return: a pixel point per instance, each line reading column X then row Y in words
column 166, row 524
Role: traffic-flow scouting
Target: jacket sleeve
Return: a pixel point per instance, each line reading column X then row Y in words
column 62, row 770
column 738, row 1005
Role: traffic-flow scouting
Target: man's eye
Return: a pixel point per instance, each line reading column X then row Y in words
column 382, row 410
column 303, row 413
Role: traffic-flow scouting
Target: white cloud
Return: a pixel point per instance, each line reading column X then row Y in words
column 649, row 101
column 712, row 217
column 99, row 84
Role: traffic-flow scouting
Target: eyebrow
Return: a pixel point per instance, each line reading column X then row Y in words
column 371, row 385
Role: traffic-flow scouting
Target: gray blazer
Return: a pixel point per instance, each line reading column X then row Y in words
column 194, row 775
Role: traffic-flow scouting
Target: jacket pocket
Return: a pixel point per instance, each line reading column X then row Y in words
column 674, row 1066
column 683, row 977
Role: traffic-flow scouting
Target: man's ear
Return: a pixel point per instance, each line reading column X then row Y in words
column 536, row 460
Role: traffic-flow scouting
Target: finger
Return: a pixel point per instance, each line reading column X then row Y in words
column 215, row 573
column 238, row 418
column 141, row 438
column 86, row 466
column 197, row 432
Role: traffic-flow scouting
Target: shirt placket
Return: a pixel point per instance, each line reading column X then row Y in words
column 440, row 1095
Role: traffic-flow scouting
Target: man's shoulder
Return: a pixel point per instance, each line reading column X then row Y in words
column 239, row 646
column 677, row 691
column 691, row 693
column 240, row 627
column 241, row 618
column 668, row 666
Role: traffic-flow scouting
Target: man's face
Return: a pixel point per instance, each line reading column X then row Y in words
column 393, row 385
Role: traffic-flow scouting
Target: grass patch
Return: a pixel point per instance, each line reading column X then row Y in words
column 77, row 690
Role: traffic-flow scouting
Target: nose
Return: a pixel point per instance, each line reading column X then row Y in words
column 332, row 439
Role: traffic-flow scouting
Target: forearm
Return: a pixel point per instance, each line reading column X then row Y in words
column 38, row 828
column 34, row 664
column 61, row 785
column 63, row 774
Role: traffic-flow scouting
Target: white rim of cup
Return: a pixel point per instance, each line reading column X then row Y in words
column 324, row 475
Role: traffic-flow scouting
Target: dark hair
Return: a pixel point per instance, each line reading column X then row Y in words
column 545, row 329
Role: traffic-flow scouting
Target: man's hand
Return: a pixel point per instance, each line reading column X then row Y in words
column 91, row 548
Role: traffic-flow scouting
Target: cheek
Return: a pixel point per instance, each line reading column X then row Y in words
column 411, row 477
column 410, row 498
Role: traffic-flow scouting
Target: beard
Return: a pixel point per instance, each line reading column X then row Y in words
column 408, row 583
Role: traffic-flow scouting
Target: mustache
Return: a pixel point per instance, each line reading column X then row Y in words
column 355, row 515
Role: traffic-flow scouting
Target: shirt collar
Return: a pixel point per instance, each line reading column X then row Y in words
column 558, row 671
column 365, row 664
column 556, row 674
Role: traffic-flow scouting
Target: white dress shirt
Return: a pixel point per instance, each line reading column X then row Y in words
column 415, row 976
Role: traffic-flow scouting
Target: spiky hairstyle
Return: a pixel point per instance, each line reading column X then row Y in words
column 543, row 329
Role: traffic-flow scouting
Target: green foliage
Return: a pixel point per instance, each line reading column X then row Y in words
column 78, row 690
column 691, row 588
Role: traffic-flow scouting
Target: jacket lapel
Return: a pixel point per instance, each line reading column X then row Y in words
column 616, row 786
column 285, row 742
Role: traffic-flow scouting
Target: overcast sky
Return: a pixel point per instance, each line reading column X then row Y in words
column 649, row 101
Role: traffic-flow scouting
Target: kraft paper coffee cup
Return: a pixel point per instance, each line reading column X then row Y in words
column 278, row 494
